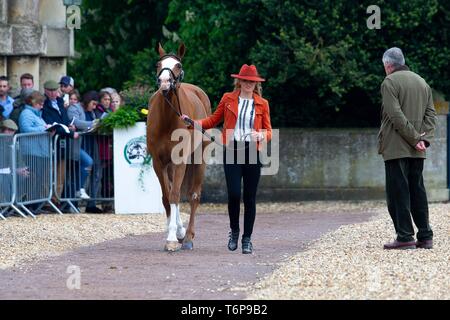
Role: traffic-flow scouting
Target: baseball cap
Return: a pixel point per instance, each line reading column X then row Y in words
column 68, row 81
column 9, row 124
column 51, row 85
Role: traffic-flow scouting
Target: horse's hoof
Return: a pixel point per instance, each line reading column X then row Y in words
column 188, row 245
column 180, row 240
column 172, row 246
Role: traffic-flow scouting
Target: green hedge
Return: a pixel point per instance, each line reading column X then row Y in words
column 322, row 64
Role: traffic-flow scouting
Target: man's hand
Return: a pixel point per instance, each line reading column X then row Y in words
column 24, row 172
column 420, row 146
column 76, row 135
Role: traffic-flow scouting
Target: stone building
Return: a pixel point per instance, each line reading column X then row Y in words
column 34, row 39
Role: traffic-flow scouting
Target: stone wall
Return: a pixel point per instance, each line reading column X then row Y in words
column 34, row 39
column 334, row 164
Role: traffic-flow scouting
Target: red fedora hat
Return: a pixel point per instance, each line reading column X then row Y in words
column 248, row 73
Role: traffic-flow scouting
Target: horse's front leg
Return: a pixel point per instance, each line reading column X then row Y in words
column 172, row 243
column 194, row 201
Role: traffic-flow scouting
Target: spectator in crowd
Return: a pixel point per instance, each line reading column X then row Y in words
column 76, row 115
column 105, row 150
column 1, row 113
column 90, row 144
column 36, row 151
column 26, row 81
column 30, row 120
column 67, row 84
column 8, row 126
column 116, row 101
column 104, row 107
column 5, row 100
column 19, row 104
column 52, row 112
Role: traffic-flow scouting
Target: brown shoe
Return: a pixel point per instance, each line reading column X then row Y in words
column 425, row 244
column 400, row 245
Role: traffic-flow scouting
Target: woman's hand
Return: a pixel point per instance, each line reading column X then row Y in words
column 257, row 136
column 187, row 120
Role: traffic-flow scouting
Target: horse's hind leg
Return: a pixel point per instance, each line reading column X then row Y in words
column 181, row 231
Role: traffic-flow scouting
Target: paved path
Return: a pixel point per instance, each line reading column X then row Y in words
column 136, row 267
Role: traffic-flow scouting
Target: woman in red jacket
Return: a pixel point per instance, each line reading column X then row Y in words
column 246, row 119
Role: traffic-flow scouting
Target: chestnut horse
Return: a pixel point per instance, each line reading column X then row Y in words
column 172, row 99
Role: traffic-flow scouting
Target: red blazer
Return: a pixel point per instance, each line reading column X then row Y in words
column 227, row 110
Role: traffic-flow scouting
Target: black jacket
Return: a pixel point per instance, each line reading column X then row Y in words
column 51, row 115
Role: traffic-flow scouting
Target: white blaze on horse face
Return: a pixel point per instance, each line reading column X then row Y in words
column 164, row 77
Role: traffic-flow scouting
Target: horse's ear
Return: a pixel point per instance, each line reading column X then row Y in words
column 160, row 50
column 181, row 50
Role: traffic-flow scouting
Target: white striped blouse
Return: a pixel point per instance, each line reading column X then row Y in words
column 245, row 120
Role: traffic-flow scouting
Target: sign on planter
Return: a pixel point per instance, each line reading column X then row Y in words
column 136, row 186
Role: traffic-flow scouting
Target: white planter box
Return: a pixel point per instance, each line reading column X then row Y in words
column 134, row 194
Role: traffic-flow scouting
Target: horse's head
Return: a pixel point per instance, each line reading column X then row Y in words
column 169, row 69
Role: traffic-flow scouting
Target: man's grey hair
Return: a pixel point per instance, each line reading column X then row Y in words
column 394, row 56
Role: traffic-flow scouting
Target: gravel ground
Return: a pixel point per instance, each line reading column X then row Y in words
column 346, row 264
column 25, row 241
column 351, row 264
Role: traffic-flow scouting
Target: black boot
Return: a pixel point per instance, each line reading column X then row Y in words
column 247, row 246
column 233, row 240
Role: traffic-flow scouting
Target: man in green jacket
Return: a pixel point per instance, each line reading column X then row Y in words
column 408, row 120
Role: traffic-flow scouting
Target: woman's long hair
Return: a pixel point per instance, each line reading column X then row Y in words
column 258, row 87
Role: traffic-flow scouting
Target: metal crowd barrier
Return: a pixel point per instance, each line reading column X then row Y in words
column 7, row 175
column 68, row 171
column 33, row 167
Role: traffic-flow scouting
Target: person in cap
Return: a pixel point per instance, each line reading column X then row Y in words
column 67, row 84
column 54, row 111
column 8, row 126
column 247, row 123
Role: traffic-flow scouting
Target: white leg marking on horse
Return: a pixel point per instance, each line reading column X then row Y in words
column 173, row 223
column 194, row 196
column 181, row 231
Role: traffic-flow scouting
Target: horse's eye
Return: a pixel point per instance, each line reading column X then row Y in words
column 158, row 65
column 178, row 65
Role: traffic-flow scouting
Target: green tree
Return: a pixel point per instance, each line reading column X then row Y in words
column 322, row 64
column 113, row 35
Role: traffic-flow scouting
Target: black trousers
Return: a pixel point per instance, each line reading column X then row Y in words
column 406, row 196
column 248, row 172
